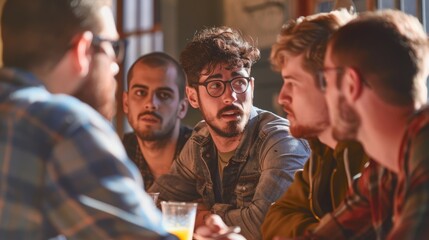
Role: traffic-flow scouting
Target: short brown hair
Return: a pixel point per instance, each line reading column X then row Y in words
column 160, row 59
column 389, row 49
column 213, row 46
column 309, row 36
column 38, row 33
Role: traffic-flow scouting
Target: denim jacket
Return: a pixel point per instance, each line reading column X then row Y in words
column 261, row 169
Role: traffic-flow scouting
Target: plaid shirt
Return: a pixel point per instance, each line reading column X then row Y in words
column 395, row 205
column 133, row 150
column 64, row 170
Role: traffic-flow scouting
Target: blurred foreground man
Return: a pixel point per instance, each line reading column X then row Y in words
column 63, row 168
column 298, row 54
column 375, row 74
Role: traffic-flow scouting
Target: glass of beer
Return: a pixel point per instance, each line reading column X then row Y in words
column 178, row 218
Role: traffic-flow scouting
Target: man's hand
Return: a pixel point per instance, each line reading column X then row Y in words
column 201, row 217
column 215, row 228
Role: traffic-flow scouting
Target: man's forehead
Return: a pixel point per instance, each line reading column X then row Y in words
column 108, row 27
column 215, row 69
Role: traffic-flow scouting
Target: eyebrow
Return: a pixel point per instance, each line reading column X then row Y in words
column 288, row 77
column 168, row 89
column 217, row 76
column 138, row 86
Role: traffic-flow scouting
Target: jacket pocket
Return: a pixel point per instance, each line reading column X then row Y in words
column 246, row 188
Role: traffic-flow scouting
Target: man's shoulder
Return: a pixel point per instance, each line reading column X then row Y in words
column 57, row 113
column 185, row 132
column 268, row 122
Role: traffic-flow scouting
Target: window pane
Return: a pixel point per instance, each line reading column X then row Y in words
column 386, row 4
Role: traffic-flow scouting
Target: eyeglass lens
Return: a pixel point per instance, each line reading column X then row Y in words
column 118, row 46
column 321, row 80
column 217, row 87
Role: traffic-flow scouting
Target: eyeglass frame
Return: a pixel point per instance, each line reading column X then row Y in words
column 320, row 76
column 205, row 84
column 118, row 46
column 321, row 80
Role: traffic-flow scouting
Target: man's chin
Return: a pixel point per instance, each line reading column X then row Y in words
column 341, row 135
column 302, row 132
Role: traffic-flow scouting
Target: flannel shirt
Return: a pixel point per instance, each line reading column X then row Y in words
column 396, row 206
column 64, row 170
column 316, row 190
column 134, row 153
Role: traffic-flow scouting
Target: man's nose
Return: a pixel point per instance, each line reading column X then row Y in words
column 229, row 96
column 114, row 67
column 151, row 102
column 284, row 95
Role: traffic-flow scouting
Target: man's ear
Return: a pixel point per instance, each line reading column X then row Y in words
column 125, row 102
column 183, row 108
column 81, row 53
column 192, row 96
column 352, row 84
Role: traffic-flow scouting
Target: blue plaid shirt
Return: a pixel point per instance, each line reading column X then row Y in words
column 64, row 170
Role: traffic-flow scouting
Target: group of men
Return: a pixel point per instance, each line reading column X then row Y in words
column 353, row 87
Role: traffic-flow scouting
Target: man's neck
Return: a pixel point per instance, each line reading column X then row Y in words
column 159, row 155
column 326, row 138
column 384, row 130
column 225, row 144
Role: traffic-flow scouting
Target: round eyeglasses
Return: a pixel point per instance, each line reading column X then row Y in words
column 321, row 79
column 216, row 88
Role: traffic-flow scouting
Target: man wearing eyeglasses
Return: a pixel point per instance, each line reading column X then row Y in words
column 240, row 158
column 298, row 54
column 63, row 168
column 100, row 95
column 375, row 74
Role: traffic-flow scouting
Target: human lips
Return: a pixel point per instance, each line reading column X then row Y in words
column 288, row 111
column 230, row 113
column 150, row 117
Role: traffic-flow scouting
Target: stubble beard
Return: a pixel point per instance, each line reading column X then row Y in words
column 302, row 131
column 151, row 135
column 347, row 123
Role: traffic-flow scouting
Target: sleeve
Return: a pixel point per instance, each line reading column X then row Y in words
column 413, row 219
column 353, row 217
column 181, row 183
column 93, row 191
column 291, row 214
column 280, row 156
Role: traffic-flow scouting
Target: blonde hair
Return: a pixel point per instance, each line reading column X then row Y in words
column 309, row 36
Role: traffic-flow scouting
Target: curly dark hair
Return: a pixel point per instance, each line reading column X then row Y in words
column 213, row 46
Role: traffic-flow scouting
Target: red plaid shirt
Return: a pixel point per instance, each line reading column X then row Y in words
column 396, row 206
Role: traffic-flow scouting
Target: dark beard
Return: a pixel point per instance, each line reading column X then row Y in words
column 153, row 136
column 232, row 129
column 348, row 121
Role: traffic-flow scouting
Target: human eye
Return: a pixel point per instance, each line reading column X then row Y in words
column 239, row 82
column 164, row 95
column 140, row 93
column 214, row 85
